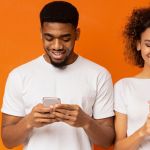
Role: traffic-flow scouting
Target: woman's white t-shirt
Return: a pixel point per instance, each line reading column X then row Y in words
column 131, row 98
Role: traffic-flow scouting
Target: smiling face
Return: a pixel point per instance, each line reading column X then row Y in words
column 58, row 42
column 144, row 46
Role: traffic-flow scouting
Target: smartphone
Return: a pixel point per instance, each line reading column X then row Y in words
column 47, row 101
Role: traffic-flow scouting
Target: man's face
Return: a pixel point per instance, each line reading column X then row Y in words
column 58, row 41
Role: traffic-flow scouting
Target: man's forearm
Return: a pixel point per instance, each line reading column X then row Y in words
column 16, row 134
column 100, row 133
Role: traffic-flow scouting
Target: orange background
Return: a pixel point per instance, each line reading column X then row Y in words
column 101, row 23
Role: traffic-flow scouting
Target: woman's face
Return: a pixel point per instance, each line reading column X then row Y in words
column 144, row 46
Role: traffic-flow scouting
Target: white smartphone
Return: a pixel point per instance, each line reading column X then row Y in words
column 47, row 101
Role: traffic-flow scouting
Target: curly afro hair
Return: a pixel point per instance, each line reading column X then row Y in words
column 138, row 22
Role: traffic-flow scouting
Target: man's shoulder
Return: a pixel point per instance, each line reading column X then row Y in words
column 93, row 66
column 28, row 66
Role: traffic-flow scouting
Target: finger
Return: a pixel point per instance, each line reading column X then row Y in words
column 71, row 119
column 64, row 111
column 42, row 109
column 73, row 113
column 68, row 112
column 62, row 117
column 45, row 120
column 52, row 108
column 44, row 115
column 66, row 106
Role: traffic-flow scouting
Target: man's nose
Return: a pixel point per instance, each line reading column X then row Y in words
column 57, row 44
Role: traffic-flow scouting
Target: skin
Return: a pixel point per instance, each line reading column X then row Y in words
column 133, row 142
column 100, row 131
column 16, row 129
column 58, row 42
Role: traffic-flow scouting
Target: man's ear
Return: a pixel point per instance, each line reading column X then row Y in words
column 138, row 46
column 77, row 33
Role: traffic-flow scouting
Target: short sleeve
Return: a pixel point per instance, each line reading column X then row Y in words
column 103, row 106
column 119, row 98
column 12, row 100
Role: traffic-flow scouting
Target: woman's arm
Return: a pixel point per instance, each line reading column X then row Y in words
column 132, row 142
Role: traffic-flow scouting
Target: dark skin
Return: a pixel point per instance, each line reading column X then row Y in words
column 58, row 42
column 100, row 131
column 16, row 129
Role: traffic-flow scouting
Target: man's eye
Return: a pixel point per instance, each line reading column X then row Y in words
column 66, row 39
column 48, row 38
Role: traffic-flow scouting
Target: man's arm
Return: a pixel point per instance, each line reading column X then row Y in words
column 100, row 131
column 15, row 130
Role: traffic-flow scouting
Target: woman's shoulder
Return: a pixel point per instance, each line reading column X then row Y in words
column 124, row 81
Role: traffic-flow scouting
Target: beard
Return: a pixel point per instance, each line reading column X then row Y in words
column 58, row 64
column 61, row 64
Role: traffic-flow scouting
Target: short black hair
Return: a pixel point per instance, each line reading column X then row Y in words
column 138, row 22
column 61, row 12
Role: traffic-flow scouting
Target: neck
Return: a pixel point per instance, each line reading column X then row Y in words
column 145, row 73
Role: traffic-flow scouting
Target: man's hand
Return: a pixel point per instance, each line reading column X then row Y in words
column 100, row 131
column 40, row 116
column 71, row 114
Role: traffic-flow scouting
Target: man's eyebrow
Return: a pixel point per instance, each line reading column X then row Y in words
column 63, row 35
column 48, row 34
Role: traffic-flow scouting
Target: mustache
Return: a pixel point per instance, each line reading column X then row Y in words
column 48, row 49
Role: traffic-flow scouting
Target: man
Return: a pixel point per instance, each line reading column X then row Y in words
column 85, row 115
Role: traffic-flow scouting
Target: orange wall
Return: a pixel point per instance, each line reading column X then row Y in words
column 101, row 23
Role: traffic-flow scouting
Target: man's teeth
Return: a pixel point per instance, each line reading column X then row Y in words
column 58, row 53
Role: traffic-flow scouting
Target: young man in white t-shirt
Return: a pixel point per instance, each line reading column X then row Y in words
column 85, row 115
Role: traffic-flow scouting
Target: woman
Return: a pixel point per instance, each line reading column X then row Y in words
column 132, row 95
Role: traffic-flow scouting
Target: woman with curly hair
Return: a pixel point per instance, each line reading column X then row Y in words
column 132, row 94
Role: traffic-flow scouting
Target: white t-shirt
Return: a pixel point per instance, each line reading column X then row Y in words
column 131, row 97
column 83, row 82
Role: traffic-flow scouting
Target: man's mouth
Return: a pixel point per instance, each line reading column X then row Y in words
column 58, row 54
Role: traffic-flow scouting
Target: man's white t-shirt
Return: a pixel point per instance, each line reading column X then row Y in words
column 131, row 97
column 83, row 83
